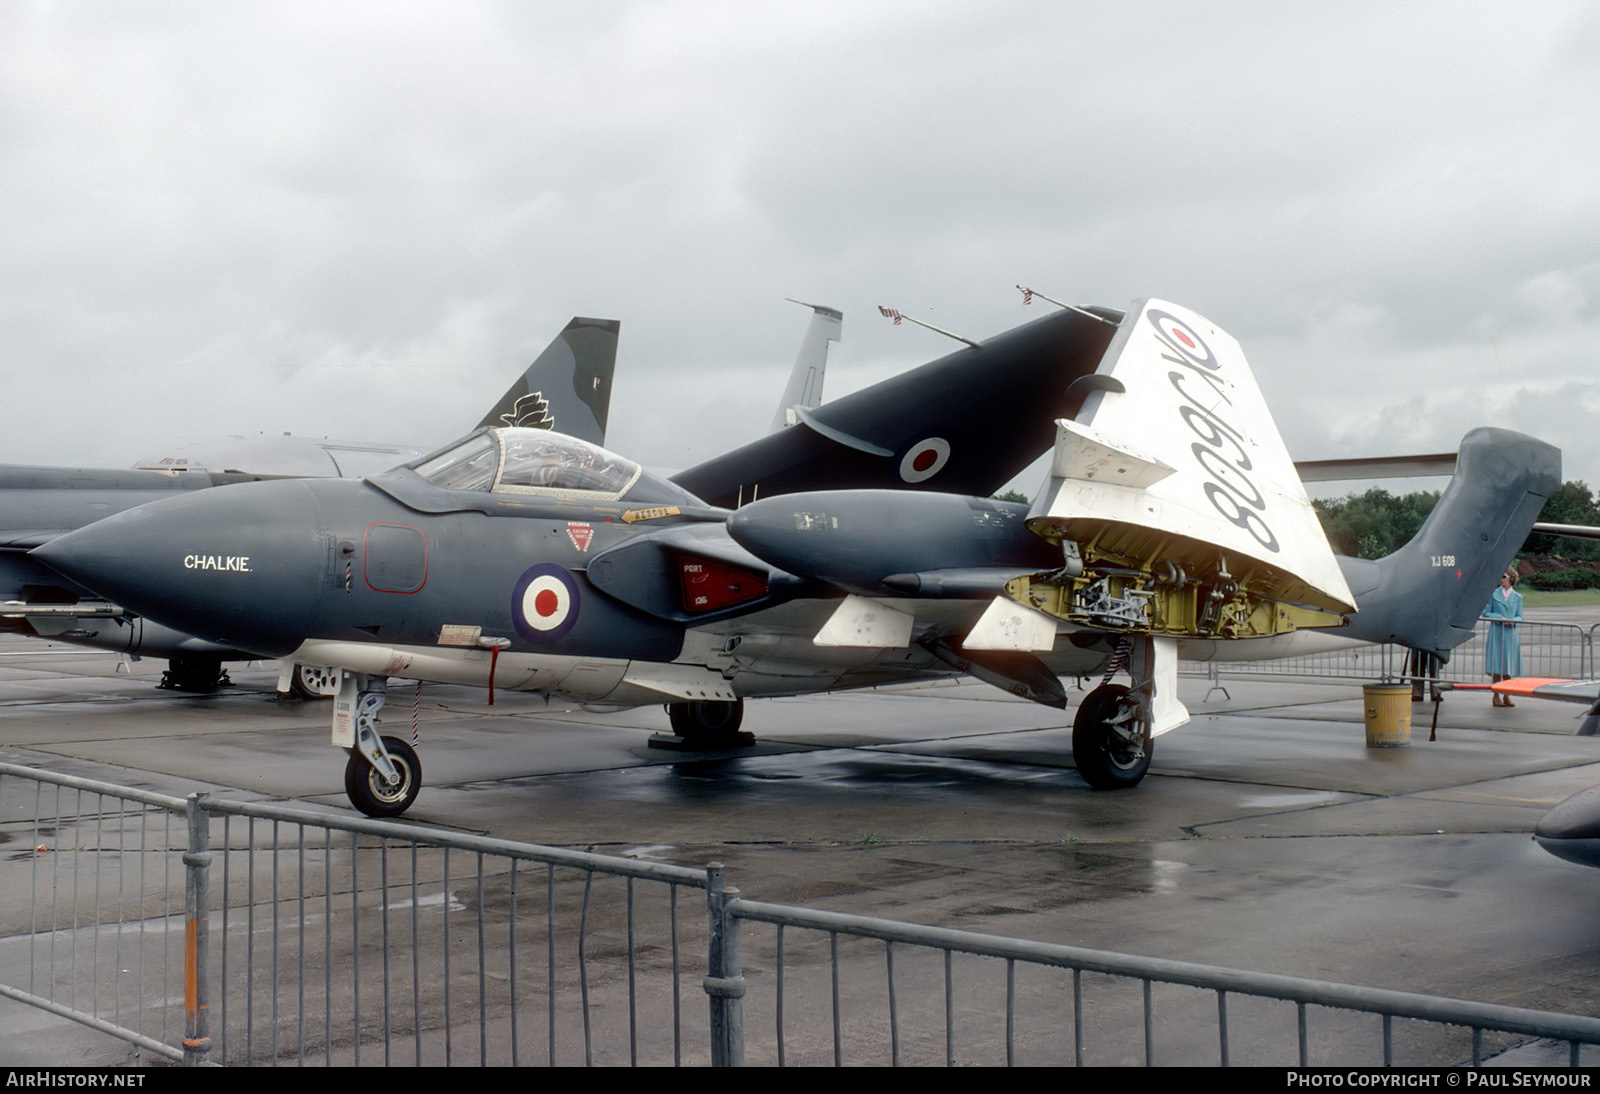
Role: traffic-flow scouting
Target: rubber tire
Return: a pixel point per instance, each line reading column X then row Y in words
column 311, row 682
column 194, row 672
column 366, row 790
column 1101, row 757
column 706, row 723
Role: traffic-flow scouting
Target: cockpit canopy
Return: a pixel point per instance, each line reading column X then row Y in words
column 530, row 461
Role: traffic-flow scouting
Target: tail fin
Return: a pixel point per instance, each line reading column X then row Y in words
column 568, row 386
column 805, row 380
column 1429, row 594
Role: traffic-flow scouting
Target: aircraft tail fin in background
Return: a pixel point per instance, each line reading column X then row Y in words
column 1429, row 594
column 568, row 386
column 804, row 391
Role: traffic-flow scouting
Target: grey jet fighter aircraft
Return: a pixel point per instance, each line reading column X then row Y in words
column 859, row 550
column 567, row 386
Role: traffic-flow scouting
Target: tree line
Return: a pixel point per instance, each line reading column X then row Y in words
column 1377, row 523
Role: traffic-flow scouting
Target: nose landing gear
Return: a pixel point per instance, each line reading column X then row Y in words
column 384, row 774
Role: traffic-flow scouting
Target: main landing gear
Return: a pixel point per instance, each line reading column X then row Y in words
column 1113, row 734
column 703, row 724
column 194, row 672
column 384, row 774
column 1111, row 743
column 706, row 723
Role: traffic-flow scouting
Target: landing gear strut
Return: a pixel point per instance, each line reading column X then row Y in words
column 1111, row 743
column 384, row 774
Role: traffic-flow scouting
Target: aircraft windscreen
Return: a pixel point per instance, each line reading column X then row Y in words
column 470, row 465
column 530, row 461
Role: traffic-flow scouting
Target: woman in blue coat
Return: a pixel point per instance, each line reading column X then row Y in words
column 1502, row 653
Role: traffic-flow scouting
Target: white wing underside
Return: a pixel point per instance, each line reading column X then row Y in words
column 1188, row 448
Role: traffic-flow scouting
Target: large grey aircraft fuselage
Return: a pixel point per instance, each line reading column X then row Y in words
column 644, row 594
column 640, row 598
column 345, row 561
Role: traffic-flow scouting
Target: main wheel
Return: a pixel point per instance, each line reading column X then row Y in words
column 706, row 723
column 1111, row 754
column 313, row 682
column 376, row 798
column 193, row 672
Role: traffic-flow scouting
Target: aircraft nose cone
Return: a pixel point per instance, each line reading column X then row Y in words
column 1571, row 830
column 240, row 565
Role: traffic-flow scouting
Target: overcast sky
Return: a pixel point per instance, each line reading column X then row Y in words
column 361, row 220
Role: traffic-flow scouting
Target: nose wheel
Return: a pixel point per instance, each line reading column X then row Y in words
column 374, row 794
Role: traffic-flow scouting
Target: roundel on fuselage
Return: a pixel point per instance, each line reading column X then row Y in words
column 544, row 603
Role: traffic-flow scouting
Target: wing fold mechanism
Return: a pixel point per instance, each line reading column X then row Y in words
column 1202, row 530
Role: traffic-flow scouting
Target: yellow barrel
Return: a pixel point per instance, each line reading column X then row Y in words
column 1388, row 714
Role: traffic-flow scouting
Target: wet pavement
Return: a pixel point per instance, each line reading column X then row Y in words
column 1266, row 837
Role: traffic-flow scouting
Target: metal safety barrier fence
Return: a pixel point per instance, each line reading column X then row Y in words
column 964, row 1004
column 203, row 930
column 208, row 931
column 1562, row 651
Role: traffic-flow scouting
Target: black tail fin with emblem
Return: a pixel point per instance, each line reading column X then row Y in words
column 568, row 386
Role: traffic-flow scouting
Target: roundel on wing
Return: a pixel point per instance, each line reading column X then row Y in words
column 925, row 459
column 544, row 604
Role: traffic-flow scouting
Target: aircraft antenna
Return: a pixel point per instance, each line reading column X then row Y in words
column 891, row 313
column 1029, row 294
